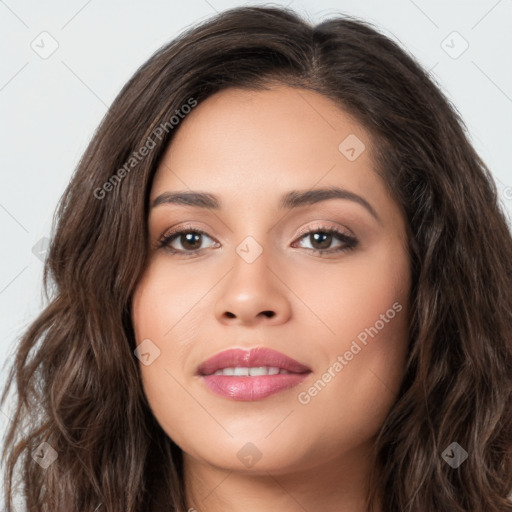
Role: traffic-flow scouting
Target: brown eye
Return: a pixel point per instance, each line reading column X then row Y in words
column 322, row 238
column 184, row 241
column 190, row 241
column 187, row 242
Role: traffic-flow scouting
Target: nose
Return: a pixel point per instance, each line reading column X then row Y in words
column 253, row 293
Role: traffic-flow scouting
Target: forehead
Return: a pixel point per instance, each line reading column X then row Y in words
column 247, row 141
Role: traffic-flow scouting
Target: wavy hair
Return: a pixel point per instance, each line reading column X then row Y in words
column 78, row 386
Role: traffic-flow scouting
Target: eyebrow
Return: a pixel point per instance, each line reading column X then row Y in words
column 289, row 200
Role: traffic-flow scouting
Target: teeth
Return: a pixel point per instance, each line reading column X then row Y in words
column 251, row 372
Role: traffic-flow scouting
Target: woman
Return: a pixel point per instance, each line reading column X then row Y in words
column 281, row 278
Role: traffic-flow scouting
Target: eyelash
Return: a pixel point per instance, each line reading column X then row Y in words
column 350, row 242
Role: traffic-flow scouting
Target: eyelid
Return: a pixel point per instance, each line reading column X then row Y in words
column 302, row 231
column 179, row 228
column 324, row 226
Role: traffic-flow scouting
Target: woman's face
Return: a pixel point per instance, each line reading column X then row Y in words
column 257, row 278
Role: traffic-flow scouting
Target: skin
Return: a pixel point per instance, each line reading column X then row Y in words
column 248, row 148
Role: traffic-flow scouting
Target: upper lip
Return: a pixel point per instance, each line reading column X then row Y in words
column 254, row 357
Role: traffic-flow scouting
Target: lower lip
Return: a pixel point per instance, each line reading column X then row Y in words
column 252, row 388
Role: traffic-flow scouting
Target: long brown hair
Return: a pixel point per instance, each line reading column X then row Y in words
column 77, row 379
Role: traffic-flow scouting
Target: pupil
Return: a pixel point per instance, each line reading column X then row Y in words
column 326, row 237
column 188, row 238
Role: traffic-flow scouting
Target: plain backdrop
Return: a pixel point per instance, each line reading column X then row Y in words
column 63, row 63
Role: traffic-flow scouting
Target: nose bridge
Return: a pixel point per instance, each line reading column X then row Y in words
column 251, row 265
column 251, row 233
column 255, row 256
column 252, row 288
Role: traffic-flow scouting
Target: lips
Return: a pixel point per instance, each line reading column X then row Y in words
column 256, row 357
column 283, row 373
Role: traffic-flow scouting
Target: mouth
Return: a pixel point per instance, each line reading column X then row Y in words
column 251, row 374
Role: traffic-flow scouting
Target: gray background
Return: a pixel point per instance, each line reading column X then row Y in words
column 51, row 104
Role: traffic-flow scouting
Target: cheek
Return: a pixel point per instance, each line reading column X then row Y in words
column 369, row 315
column 164, row 304
column 352, row 395
column 344, row 299
column 166, row 323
